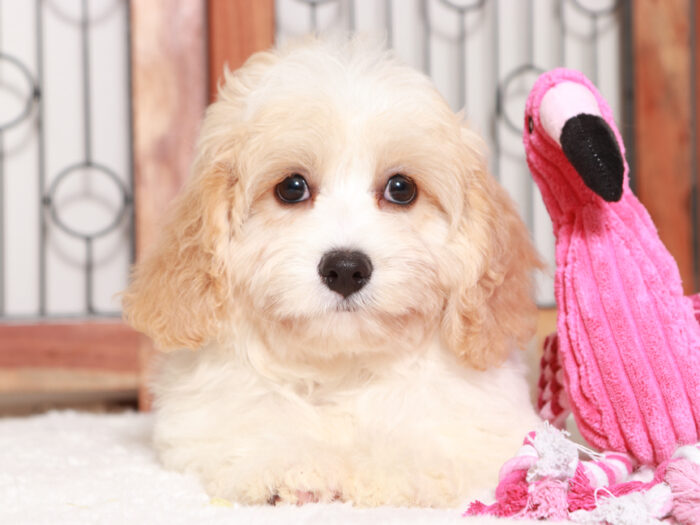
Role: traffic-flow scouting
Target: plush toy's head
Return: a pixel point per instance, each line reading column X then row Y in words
column 573, row 148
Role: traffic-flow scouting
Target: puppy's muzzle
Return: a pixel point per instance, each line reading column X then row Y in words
column 344, row 271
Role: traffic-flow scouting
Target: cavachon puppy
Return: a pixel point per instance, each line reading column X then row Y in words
column 339, row 289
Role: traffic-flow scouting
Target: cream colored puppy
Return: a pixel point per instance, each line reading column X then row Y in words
column 342, row 284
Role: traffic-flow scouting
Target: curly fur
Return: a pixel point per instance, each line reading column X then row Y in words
column 406, row 392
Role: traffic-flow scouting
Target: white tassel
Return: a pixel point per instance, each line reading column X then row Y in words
column 558, row 456
column 640, row 508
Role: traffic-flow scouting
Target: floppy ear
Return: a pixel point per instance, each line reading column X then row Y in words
column 491, row 309
column 180, row 292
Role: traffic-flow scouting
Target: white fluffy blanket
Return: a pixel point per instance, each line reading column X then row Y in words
column 70, row 467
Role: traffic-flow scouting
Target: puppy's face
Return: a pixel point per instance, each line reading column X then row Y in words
column 350, row 205
column 339, row 203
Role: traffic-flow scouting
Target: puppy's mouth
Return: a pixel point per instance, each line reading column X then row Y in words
column 346, row 306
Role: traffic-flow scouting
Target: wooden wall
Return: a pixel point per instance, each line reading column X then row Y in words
column 237, row 29
column 663, row 113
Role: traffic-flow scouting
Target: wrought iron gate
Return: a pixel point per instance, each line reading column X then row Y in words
column 67, row 142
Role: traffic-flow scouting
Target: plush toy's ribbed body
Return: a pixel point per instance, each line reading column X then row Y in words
column 628, row 339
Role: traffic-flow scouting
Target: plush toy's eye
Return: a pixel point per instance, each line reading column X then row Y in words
column 400, row 189
column 530, row 124
column 293, row 189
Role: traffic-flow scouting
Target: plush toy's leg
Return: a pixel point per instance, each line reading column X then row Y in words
column 552, row 401
column 696, row 305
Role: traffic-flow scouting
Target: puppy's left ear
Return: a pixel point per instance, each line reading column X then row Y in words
column 491, row 308
column 181, row 291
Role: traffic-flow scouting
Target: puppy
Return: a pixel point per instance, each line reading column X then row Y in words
column 341, row 285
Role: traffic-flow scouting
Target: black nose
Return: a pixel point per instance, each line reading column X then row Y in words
column 344, row 271
column 591, row 147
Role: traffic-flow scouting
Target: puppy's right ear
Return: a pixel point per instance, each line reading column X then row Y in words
column 181, row 290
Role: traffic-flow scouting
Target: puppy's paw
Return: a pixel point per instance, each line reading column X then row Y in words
column 302, row 497
column 276, row 484
column 308, row 485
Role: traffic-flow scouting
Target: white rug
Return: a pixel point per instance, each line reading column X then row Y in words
column 72, row 468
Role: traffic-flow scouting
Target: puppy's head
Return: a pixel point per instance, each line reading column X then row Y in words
column 337, row 205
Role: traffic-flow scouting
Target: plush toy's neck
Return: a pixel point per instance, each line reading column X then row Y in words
column 574, row 150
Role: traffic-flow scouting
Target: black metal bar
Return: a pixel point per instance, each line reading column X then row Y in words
column 426, row 40
column 96, row 168
column 595, row 35
column 314, row 17
column 84, row 34
column 562, row 32
column 2, row 213
column 530, row 24
column 130, row 120
column 462, row 6
column 41, row 164
column 600, row 11
column 60, row 317
column 351, row 15
column 531, row 190
column 2, row 225
column 89, row 262
column 495, row 129
column 462, row 56
column 389, row 21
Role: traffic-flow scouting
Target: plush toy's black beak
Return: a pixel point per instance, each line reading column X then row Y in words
column 591, row 147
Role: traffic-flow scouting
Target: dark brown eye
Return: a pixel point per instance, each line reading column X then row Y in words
column 530, row 124
column 400, row 189
column 293, row 189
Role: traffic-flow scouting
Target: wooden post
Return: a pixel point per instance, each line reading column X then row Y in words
column 169, row 95
column 663, row 112
column 237, row 29
column 169, row 80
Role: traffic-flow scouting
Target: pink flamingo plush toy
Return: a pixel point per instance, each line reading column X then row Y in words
column 629, row 343
column 626, row 355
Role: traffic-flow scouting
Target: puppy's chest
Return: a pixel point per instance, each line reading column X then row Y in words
column 374, row 401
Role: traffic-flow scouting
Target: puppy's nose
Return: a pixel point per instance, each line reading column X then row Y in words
column 345, row 272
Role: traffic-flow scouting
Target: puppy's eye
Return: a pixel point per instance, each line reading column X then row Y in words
column 400, row 190
column 293, row 189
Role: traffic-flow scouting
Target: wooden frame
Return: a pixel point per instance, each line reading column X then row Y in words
column 69, row 357
column 101, row 345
